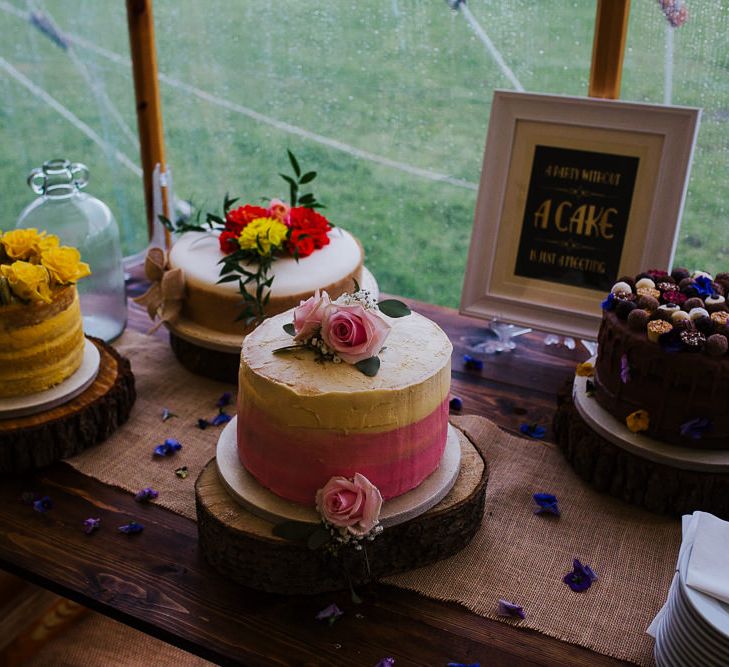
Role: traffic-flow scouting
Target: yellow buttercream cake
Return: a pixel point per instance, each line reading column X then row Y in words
column 41, row 330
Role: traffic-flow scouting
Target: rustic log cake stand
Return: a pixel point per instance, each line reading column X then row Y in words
column 217, row 364
column 241, row 546
column 39, row 439
column 661, row 478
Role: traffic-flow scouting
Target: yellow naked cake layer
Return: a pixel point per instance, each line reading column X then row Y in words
column 40, row 344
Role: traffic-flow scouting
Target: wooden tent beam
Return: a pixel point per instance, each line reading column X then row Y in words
column 608, row 48
column 149, row 108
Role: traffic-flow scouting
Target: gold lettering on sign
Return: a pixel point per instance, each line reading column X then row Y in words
column 587, row 220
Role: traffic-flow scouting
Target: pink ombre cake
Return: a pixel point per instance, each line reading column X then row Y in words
column 301, row 422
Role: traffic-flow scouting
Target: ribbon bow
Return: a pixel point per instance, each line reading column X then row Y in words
column 164, row 297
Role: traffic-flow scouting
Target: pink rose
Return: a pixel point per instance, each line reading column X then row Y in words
column 308, row 315
column 352, row 332
column 279, row 210
column 352, row 504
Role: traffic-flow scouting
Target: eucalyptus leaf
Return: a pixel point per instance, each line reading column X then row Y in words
column 294, row 163
column 288, row 348
column 288, row 179
column 298, row 531
column 289, row 329
column 393, row 308
column 368, row 366
column 308, row 177
column 318, row 538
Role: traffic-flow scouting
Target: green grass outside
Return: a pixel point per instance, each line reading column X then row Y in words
column 406, row 80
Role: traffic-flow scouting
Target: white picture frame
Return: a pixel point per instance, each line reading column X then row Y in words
column 641, row 155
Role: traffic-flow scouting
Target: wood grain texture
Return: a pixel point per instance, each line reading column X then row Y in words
column 38, row 440
column 242, row 547
column 638, row 481
column 214, row 364
column 159, row 582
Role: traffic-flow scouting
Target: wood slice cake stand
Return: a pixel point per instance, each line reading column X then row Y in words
column 240, row 545
column 216, row 355
column 39, row 439
column 657, row 476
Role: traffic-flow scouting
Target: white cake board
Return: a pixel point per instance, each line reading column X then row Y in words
column 222, row 342
column 21, row 406
column 610, row 428
column 258, row 500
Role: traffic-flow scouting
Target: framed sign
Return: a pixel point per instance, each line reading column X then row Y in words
column 574, row 194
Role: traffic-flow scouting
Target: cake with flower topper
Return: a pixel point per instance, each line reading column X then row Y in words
column 223, row 275
column 41, row 330
column 662, row 365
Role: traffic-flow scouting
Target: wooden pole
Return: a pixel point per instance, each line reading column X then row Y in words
column 149, row 107
column 608, row 48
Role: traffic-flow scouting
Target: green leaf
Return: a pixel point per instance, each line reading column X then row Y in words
column 228, row 279
column 298, row 531
column 166, row 222
column 227, row 202
column 289, row 329
column 307, row 199
column 318, row 538
column 394, row 308
column 368, row 366
column 294, row 163
column 211, row 217
column 308, row 177
column 288, row 348
column 288, row 179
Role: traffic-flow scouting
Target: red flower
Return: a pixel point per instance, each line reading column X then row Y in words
column 238, row 218
column 309, row 219
column 228, row 242
column 301, row 244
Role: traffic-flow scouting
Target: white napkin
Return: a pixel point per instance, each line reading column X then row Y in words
column 708, row 565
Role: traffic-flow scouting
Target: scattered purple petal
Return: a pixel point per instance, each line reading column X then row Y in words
column 386, row 662
column 146, row 494
column 456, row 404
column 131, row 528
column 695, row 428
column 182, row 472
column 43, row 504
column 533, row 430
column 609, row 303
column 471, row 363
column 624, row 369
column 330, row 613
column 221, row 418
column 507, row 608
column 463, row 664
column 224, row 400
column 166, row 414
column 90, row 525
column 581, row 577
column 168, row 447
column 202, row 424
column 547, row 504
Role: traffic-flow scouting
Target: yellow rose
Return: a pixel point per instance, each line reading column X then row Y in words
column 64, row 264
column 638, row 421
column 585, row 370
column 27, row 281
column 22, row 244
column 263, row 234
column 47, row 241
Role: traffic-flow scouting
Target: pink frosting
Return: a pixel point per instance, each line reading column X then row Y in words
column 295, row 463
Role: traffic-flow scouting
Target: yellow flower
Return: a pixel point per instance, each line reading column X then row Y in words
column 64, row 264
column 28, row 281
column 638, row 421
column 263, row 234
column 585, row 370
column 22, row 244
column 47, row 241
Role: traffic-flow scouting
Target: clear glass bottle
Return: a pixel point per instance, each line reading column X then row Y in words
column 82, row 221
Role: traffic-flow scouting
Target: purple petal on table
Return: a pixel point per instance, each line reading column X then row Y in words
column 507, row 608
column 91, row 524
column 202, row 424
column 547, row 504
column 386, row 662
column 224, row 400
column 147, row 493
column 161, row 450
column 330, row 613
column 173, row 444
column 581, row 577
column 533, row 430
column 695, row 428
column 455, row 404
column 463, row 664
column 131, row 528
column 166, row 414
column 43, row 504
column 221, row 418
column 472, row 363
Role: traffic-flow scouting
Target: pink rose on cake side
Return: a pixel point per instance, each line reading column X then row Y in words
column 352, row 504
column 353, row 333
column 308, row 316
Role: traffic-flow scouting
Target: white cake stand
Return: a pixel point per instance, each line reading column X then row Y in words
column 258, row 500
column 72, row 386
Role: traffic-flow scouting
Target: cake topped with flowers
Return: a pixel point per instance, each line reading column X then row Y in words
column 662, row 363
column 228, row 272
column 41, row 331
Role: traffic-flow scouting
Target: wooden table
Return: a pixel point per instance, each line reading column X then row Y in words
column 169, row 591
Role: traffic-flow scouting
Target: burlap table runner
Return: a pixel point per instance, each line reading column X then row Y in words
column 516, row 555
